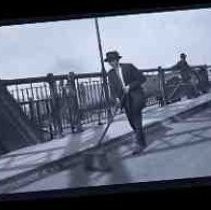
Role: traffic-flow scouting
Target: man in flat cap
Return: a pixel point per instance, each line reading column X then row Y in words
column 125, row 82
column 185, row 72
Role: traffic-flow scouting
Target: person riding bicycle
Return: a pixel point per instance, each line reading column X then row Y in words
column 186, row 74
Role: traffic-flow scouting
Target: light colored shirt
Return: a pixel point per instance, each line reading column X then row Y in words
column 120, row 74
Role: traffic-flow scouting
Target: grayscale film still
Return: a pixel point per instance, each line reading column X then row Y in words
column 105, row 101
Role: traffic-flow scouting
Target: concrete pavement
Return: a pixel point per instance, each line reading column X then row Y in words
column 181, row 150
column 24, row 166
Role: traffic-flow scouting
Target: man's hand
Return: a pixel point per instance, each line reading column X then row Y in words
column 126, row 89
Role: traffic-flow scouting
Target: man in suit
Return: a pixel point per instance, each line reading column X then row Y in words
column 126, row 88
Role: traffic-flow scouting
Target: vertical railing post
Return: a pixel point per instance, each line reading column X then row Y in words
column 49, row 119
column 55, row 105
column 161, row 74
column 17, row 91
column 99, row 98
column 31, row 109
column 39, row 118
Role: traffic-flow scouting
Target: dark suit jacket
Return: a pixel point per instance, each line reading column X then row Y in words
column 132, row 77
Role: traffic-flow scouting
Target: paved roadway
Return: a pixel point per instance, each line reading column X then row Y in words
column 180, row 149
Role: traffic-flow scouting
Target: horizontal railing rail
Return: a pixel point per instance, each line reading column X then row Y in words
column 73, row 100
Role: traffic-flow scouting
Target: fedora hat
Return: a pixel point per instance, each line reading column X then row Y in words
column 112, row 55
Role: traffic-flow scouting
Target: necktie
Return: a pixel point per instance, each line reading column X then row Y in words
column 120, row 76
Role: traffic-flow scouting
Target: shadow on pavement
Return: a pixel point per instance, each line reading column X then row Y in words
column 171, row 146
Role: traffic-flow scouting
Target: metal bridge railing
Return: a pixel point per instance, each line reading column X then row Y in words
column 57, row 102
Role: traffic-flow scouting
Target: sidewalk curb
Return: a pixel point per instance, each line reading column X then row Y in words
column 20, row 180
column 181, row 115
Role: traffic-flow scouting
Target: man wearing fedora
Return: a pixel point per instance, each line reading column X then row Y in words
column 125, row 82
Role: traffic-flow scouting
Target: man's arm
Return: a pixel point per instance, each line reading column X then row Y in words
column 138, row 78
column 176, row 67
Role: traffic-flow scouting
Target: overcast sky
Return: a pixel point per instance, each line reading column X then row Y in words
column 147, row 40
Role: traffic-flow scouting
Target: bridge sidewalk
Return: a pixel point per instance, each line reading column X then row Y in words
column 25, row 162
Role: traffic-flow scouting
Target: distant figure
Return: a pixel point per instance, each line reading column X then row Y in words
column 126, row 88
column 204, row 84
column 55, row 104
column 56, row 114
column 186, row 75
column 72, row 104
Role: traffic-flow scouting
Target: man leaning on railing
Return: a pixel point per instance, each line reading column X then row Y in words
column 186, row 74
